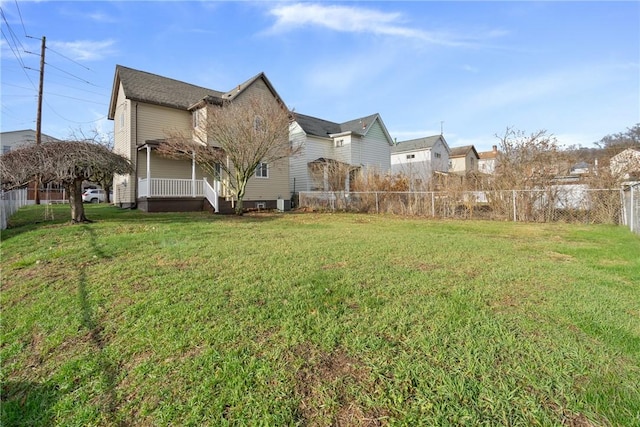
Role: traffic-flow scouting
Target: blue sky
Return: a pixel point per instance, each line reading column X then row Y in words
column 474, row 68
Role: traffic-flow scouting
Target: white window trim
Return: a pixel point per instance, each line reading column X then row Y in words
column 261, row 168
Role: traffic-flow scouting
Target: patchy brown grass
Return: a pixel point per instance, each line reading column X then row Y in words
column 327, row 385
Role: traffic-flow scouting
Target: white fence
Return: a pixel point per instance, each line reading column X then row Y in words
column 10, row 202
column 631, row 207
column 557, row 203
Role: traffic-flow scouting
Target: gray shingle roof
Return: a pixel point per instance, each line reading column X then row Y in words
column 324, row 128
column 416, row 144
column 317, row 127
column 153, row 89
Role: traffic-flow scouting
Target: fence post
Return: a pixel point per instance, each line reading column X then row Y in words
column 433, row 204
column 515, row 216
column 631, row 209
column 377, row 211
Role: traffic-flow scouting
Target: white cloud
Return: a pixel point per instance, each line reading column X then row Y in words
column 102, row 17
column 358, row 20
column 85, row 50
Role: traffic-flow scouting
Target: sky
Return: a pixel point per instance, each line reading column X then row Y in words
column 468, row 69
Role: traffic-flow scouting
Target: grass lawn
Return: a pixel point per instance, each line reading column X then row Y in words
column 315, row 320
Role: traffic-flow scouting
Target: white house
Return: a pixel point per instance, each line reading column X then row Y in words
column 330, row 155
column 488, row 160
column 18, row 138
column 418, row 159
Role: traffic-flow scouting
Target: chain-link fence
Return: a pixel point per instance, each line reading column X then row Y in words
column 558, row 203
column 631, row 203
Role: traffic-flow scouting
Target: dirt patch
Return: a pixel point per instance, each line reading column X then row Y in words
column 328, row 385
column 570, row 419
column 336, row 265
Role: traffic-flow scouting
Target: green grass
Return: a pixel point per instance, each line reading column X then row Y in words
column 306, row 319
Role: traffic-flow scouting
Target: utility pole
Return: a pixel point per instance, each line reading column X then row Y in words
column 39, row 115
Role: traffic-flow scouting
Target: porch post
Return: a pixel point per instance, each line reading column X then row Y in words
column 193, row 173
column 148, row 162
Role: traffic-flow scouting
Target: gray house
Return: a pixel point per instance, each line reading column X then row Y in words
column 419, row 159
column 331, row 155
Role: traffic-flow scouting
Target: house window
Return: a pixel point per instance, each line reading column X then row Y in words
column 262, row 171
column 339, row 142
column 258, row 124
column 411, row 156
column 436, row 155
column 196, row 118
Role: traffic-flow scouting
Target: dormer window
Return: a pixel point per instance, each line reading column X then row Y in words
column 411, row 156
column 339, row 143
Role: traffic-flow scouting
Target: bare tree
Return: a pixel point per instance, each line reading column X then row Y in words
column 621, row 140
column 236, row 137
column 100, row 176
column 527, row 161
column 64, row 162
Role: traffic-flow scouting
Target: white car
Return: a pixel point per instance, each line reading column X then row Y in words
column 94, row 195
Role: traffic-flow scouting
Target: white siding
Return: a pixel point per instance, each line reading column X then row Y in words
column 373, row 151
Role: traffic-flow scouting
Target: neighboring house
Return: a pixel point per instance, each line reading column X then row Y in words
column 419, row 159
column 463, row 160
column 147, row 108
column 487, row 160
column 331, row 155
column 626, row 164
column 19, row 138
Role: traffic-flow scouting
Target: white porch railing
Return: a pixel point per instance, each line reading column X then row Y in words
column 211, row 193
column 167, row 187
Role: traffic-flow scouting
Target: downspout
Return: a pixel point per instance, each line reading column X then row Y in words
column 193, row 173
column 134, row 205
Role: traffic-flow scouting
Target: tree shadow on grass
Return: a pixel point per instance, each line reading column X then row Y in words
column 109, row 371
column 28, row 403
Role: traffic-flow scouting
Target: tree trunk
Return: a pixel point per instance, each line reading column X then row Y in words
column 242, row 189
column 75, row 202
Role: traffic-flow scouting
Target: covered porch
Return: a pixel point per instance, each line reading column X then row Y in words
column 159, row 190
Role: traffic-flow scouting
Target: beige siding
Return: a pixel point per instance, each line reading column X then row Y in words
column 123, row 191
column 271, row 188
column 277, row 184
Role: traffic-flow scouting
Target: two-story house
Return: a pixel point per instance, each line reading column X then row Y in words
column 146, row 109
column 419, row 159
column 331, row 155
column 463, row 160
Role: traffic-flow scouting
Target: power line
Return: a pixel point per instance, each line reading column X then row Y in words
column 69, row 59
column 21, row 21
column 69, row 120
column 14, row 36
column 77, row 99
column 72, row 75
